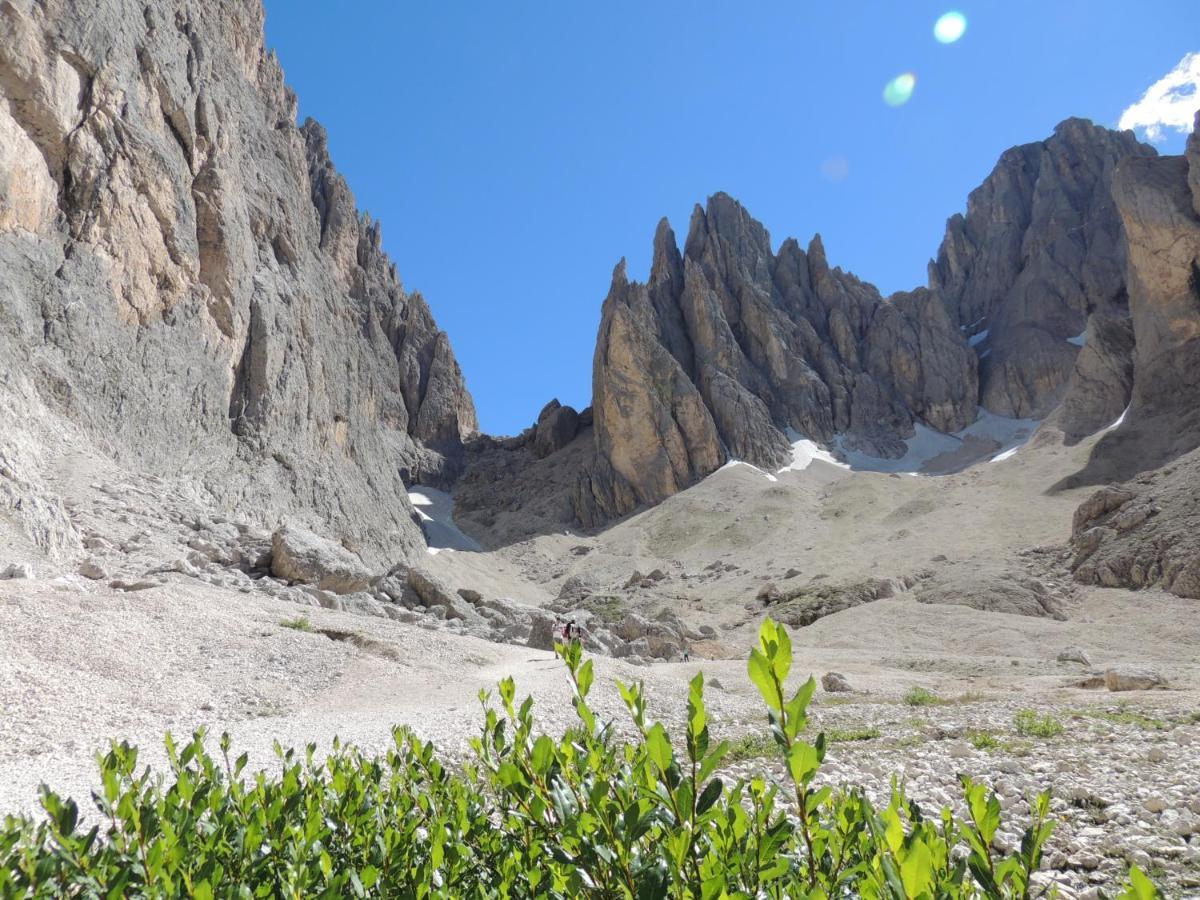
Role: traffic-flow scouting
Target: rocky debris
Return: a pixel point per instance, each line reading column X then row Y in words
column 470, row 595
column 1074, row 654
column 1130, row 678
column 299, row 556
column 184, row 267
column 16, row 570
column 835, row 682
column 1143, row 533
column 556, row 427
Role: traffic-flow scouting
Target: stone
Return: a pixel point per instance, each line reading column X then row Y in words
column 1074, row 654
column 541, row 632
column 92, row 569
column 470, row 595
column 16, row 570
column 835, row 682
column 556, row 427
column 1130, row 678
column 299, row 556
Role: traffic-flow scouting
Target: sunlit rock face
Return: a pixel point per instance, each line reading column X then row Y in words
column 1040, row 249
column 188, row 285
column 728, row 347
column 1158, row 201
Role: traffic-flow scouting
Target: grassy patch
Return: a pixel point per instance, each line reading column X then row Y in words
column 848, row 735
column 751, row 746
column 970, row 697
column 1030, row 724
column 919, row 696
column 984, row 740
column 300, row 623
column 1123, row 715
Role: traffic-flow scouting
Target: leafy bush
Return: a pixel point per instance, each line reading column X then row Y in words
column 532, row 816
column 1029, row 724
column 919, row 696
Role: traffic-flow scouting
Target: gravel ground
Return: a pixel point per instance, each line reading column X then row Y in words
column 80, row 663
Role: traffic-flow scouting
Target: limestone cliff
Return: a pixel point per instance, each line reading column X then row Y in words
column 729, row 347
column 188, row 286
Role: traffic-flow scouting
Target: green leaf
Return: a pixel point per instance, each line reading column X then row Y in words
column 762, row 675
column 916, row 869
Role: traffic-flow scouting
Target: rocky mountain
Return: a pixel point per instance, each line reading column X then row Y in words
column 1144, row 532
column 188, row 288
column 731, row 351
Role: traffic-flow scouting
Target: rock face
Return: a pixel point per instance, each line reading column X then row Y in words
column 729, row 348
column 1143, row 533
column 184, row 268
column 1038, row 251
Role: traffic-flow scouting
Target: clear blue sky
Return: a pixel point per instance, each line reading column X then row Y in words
column 515, row 151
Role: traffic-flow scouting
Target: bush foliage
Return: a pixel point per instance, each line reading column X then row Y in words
column 585, row 815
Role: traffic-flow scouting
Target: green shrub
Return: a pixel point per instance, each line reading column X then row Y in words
column 919, row 696
column 532, row 816
column 1030, row 724
column 300, row 623
column 983, row 740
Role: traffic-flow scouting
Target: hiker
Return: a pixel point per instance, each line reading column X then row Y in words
column 570, row 630
column 687, row 654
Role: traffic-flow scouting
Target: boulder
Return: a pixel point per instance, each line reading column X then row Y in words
column 92, row 569
column 1074, row 654
column 835, row 682
column 299, row 556
column 1131, row 678
column 16, row 570
column 556, row 427
column 541, row 632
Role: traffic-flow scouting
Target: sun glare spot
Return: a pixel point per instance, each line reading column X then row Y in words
column 900, row 89
column 950, row 27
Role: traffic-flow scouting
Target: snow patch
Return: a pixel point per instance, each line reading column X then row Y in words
column 738, row 462
column 805, row 452
column 1079, row 340
column 977, row 339
column 1120, row 419
column 932, row 452
column 435, row 509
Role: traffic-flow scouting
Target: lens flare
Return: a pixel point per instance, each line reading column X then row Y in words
column 950, row 27
column 835, row 168
column 899, row 90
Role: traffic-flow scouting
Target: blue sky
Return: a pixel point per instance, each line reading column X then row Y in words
column 514, row 152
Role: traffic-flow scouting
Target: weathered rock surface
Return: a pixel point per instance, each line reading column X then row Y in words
column 556, row 427
column 1130, row 678
column 184, row 268
column 1143, row 533
column 730, row 348
column 299, row 556
column 1039, row 250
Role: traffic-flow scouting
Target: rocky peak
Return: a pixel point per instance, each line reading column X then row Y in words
column 1039, row 250
column 729, row 348
column 722, row 362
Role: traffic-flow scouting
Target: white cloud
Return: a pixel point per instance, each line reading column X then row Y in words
column 1169, row 104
